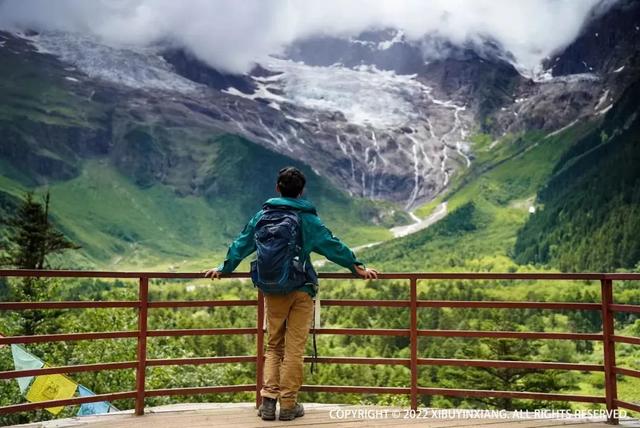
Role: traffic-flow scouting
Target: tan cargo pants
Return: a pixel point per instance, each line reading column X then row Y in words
column 288, row 320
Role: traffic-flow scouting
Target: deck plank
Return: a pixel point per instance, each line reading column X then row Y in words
column 243, row 415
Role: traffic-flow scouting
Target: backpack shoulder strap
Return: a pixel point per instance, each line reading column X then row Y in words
column 267, row 207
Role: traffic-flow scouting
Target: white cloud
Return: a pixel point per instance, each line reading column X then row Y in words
column 232, row 34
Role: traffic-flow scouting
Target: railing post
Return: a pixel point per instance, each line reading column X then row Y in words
column 609, row 347
column 260, row 348
column 414, row 343
column 143, row 296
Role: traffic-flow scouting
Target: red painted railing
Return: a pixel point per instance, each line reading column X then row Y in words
column 606, row 306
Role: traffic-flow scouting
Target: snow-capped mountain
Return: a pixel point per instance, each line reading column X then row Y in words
column 384, row 135
column 382, row 116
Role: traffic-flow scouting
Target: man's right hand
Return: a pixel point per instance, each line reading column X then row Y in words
column 213, row 273
column 366, row 273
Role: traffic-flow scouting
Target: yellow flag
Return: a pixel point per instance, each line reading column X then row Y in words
column 51, row 387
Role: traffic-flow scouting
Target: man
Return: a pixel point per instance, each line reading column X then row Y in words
column 289, row 315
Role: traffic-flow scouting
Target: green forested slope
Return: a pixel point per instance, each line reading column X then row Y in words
column 488, row 205
column 590, row 208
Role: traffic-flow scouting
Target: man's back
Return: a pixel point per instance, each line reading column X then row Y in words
column 316, row 237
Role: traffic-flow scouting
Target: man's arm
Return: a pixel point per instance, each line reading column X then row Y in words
column 240, row 248
column 326, row 244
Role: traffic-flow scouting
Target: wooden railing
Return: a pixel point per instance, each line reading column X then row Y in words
column 414, row 389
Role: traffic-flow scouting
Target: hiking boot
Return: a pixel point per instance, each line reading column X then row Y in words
column 290, row 414
column 267, row 410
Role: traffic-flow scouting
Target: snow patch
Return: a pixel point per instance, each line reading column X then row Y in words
column 618, row 70
column 362, row 42
column 71, row 79
column 262, row 91
column 557, row 131
column 366, row 96
column 602, row 100
column 140, row 68
column 548, row 77
column 604, row 110
column 397, row 38
column 494, row 143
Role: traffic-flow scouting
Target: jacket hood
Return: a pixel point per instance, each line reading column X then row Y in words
column 295, row 203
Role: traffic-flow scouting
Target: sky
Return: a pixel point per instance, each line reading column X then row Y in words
column 231, row 35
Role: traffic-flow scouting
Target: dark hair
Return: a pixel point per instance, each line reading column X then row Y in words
column 291, row 181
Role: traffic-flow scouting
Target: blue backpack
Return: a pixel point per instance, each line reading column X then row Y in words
column 278, row 268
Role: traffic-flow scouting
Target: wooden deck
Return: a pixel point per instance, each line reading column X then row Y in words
column 316, row 415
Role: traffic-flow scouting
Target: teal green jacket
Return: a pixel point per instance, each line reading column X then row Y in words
column 316, row 237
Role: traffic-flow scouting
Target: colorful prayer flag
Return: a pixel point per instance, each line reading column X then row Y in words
column 91, row 408
column 23, row 360
column 52, row 387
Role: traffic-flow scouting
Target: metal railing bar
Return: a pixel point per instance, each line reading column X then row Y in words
column 141, row 352
column 395, row 275
column 608, row 349
column 361, row 360
column 623, row 339
column 627, row 372
column 625, row 308
column 15, row 306
column 201, row 332
column 67, row 402
column 200, row 303
column 200, row 360
column 364, row 331
column 326, row 302
column 260, row 321
column 544, row 365
column 510, row 394
column 509, row 334
column 69, row 369
column 63, row 337
column 413, row 342
column 494, row 304
column 628, row 405
column 374, row 303
column 350, row 389
column 621, row 276
column 199, row 390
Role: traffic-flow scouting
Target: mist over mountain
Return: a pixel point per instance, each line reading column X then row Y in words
column 232, row 36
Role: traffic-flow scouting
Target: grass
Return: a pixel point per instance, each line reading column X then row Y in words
column 428, row 208
column 122, row 225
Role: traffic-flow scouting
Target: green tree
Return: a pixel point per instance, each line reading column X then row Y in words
column 31, row 238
